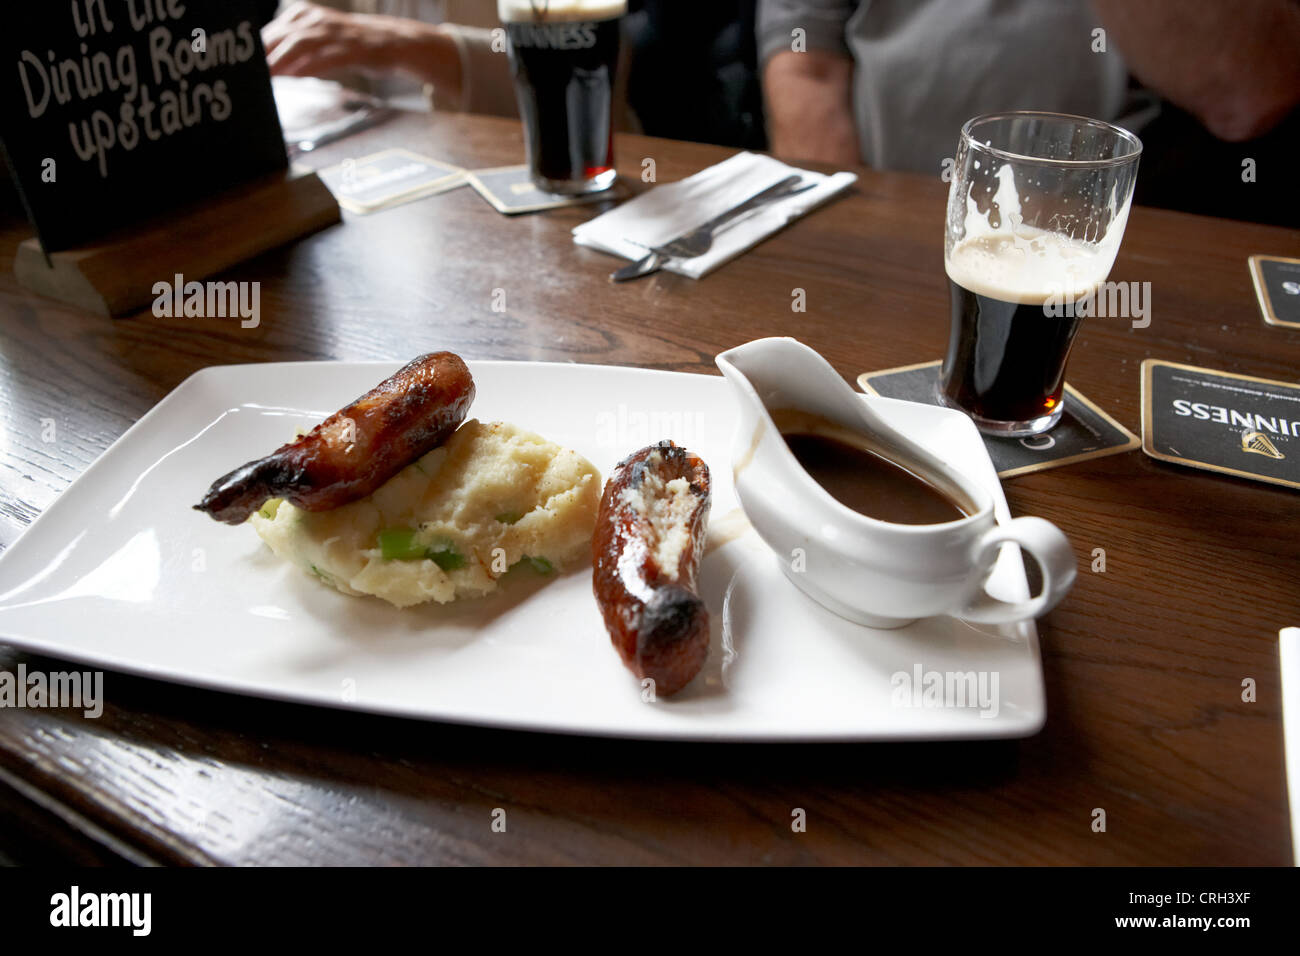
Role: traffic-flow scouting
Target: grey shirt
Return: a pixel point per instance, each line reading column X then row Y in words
column 924, row 67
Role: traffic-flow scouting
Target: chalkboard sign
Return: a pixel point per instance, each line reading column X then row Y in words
column 115, row 110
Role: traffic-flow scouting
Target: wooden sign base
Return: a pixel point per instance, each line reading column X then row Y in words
column 117, row 274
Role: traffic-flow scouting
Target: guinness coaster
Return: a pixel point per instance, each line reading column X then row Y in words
column 1084, row 431
column 388, row 178
column 1277, row 284
column 1220, row 421
column 510, row 191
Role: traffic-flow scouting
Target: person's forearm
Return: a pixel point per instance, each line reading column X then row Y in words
column 809, row 107
column 311, row 40
column 1234, row 64
column 427, row 53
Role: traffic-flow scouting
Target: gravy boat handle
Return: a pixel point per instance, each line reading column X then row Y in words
column 1048, row 546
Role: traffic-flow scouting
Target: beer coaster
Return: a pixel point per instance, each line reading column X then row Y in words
column 1220, row 421
column 1084, row 431
column 388, row 178
column 1277, row 284
column 511, row 192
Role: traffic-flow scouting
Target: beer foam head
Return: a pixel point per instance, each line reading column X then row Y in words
column 1025, row 264
column 1030, row 266
column 559, row 11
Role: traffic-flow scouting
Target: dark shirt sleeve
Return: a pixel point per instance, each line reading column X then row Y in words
column 266, row 10
column 823, row 23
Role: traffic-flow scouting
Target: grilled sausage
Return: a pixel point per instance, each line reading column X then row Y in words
column 356, row 449
column 646, row 553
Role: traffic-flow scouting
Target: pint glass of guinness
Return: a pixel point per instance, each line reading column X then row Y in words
column 1036, row 212
column 564, row 54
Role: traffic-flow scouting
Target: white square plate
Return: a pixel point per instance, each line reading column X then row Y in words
column 121, row 573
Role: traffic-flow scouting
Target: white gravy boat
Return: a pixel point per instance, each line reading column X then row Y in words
column 878, row 573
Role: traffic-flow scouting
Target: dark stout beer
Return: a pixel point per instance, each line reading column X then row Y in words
column 1006, row 360
column 1013, row 301
column 564, row 54
column 1036, row 213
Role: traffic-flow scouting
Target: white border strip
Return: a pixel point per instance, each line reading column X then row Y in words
column 1289, row 651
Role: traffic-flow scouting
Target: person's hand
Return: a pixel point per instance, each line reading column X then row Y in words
column 310, row 40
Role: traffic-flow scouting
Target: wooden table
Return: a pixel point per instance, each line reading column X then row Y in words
column 1144, row 663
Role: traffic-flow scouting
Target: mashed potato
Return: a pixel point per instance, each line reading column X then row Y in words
column 451, row 524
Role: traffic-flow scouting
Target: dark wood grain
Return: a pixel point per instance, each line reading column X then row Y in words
column 1144, row 663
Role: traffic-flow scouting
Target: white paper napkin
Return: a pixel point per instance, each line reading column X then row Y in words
column 666, row 212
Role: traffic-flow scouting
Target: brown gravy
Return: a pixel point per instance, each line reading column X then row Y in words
column 860, row 478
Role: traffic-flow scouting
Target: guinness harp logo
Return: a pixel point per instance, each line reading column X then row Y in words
column 1257, row 443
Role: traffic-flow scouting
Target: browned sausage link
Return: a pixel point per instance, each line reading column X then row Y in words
column 356, row 449
column 655, row 619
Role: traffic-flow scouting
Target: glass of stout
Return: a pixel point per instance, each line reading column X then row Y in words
column 564, row 54
column 1036, row 212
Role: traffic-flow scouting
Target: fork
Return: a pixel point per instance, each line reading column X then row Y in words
column 700, row 240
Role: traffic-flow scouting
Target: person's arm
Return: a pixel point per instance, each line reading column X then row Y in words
column 809, row 108
column 808, row 87
column 310, row 40
column 1233, row 64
